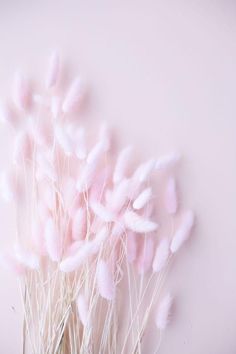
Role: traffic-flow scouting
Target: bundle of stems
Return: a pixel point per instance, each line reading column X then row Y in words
column 90, row 256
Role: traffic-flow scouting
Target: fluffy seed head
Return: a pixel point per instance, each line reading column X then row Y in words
column 163, row 312
column 183, row 233
column 139, row 224
column 105, row 281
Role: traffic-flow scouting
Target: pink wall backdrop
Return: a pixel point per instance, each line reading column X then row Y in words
column 163, row 74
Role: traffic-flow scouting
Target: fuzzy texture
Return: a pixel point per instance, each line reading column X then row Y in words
column 88, row 243
column 163, row 312
column 171, row 202
column 99, row 239
column 26, row 258
column 73, row 97
column 53, row 70
column 183, row 233
column 167, row 161
column 122, row 164
column 102, row 212
column 21, row 92
column 161, row 255
column 138, row 224
column 64, row 140
column 79, row 226
column 144, row 171
column 105, row 280
column 142, row 199
column 119, row 195
column 71, row 263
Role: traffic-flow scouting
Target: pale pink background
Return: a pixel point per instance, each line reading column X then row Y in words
column 163, row 73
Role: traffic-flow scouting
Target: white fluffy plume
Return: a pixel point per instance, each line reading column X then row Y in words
column 139, row 224
column 163, row 312
column 167, row 161
column 122, row 164
column 183, row 233
column 26, row 258
column 171, row 202
column 21, row 92
column 96, row 153
column 142, row 199
column 144, row 171
column 102, row 212
column 75, row 261
column 79, row 224
column 53, row 70
column 73, row 97
column 105, row 280
column 64, row 140
column 99, row 239
column 161, row 255
column 118, row 196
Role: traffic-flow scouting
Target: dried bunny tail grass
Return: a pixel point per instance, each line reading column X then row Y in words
column 64, row 140
column 89, row 171
column 71, row 263
column 167, row 161
column 9, row 262
column 52, row 240
column 105, row 136
column 161, row 255
column 79, row 224
column 102, row 212
column 86, row 178
column 87, row 216
column 144, row 171
column 27, row 259
column 142, row 199
column 96, row 154
column 82, row 306
column 122, row 164
column 45, row 167
column 105, row 280
column 80, row 144
column 183, row 233
column 137, row 223
column 74, row 96
column 118, row 196
column 171, row 202
column 163, row 312
column 53, row 70
column 55, row 106
column 100, row 238
column 21, row 92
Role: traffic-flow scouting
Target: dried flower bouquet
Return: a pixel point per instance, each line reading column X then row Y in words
column 94, row 233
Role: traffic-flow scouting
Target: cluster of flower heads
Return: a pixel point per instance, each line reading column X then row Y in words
column 85, row 203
